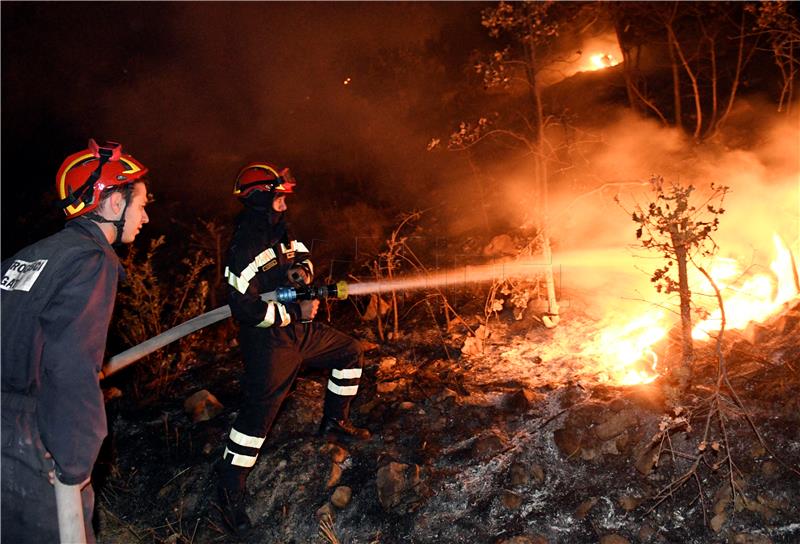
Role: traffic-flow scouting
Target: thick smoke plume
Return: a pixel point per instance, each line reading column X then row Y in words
column 757, row 155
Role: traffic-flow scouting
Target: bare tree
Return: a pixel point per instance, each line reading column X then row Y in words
column 678, row 229
column 782, row 32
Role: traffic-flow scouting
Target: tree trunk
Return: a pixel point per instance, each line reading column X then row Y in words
column 676, row 83
column 684, row 374
column 550, row 320
column 627, row 64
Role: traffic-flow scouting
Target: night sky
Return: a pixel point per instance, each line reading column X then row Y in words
column 195, row 90
column 348, row 95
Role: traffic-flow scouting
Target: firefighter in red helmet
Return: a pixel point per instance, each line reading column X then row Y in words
column 57, row 299
column 276, row 338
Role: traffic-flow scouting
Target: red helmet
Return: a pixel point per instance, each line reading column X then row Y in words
column 261, row 176
column 84, row 175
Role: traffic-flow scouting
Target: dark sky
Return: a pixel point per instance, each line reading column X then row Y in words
column 194, row 90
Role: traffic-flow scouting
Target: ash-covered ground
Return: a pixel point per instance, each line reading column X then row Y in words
column 509, row 444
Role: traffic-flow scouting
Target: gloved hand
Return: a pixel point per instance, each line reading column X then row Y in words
column 308, row 309
column 299, row 275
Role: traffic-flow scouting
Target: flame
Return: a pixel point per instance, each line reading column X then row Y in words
column 626, row 350
column 601, row 60
column 625, row 346
column 752, row 299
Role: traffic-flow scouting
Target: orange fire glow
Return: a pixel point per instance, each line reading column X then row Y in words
column 626, row 346
column 626, row 349
column 753, row 298
column 602, row 60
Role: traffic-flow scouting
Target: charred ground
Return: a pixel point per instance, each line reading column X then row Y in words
column 502, row 445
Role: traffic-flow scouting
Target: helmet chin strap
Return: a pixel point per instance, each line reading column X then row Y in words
column 119, row 224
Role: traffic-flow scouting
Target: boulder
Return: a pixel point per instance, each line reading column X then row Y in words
column 616, row 424
column 399, row 486
column 202, row 406
column 341, row 496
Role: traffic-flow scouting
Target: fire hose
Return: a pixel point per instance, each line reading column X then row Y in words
column 69, row 508
column 281, row 294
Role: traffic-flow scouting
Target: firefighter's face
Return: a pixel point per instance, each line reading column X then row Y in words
column 279, row 203
column 135, row 214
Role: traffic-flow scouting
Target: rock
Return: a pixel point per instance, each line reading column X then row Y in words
column 511, row 500
column 585, row 507
column 567, row 441
column 386, row 365
column 341, row 496
column 629, row 502
column 325, row 511
column 386, row 387
column 718, row 521
column 398, row 485
column 202, row 406
column 622, row 442
column 649, row 397
column 448, row 397
column 520, row 400
column 616, row 425
column 786, row 322
column 489, row 445
column 538, row 473
column 614, row 539
column 646, row 531
column 335, row 475
column 647, row 460
column 756, row 333
column 518, row 475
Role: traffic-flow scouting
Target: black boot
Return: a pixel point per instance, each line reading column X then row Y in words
column 342, row 428
column 232, row 506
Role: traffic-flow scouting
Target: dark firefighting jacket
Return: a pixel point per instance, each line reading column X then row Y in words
column 57, row 297
column 259, row 257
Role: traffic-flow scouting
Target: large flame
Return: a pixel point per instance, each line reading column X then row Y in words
column 625, row 345
column 751, row 298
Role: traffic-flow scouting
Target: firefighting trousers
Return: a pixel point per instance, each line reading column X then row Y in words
column 29, row 512
column 272, row 359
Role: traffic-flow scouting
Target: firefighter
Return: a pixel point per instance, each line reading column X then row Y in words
column 57, row 299
column 276, row 338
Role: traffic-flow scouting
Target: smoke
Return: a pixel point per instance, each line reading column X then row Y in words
column 757, row 155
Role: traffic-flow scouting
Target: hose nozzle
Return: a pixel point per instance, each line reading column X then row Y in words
column 293, row 294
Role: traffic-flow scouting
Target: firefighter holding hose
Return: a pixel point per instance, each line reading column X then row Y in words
column 276, row 338
column 57, row 299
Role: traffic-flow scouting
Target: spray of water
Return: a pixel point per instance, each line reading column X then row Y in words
column 496, row 270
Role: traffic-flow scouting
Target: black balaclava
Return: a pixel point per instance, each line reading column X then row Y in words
column 261, row 203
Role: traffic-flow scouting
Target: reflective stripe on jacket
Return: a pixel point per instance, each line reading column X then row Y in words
column 259, row 257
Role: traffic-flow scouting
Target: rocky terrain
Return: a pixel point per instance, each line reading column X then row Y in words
column 503, row 443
